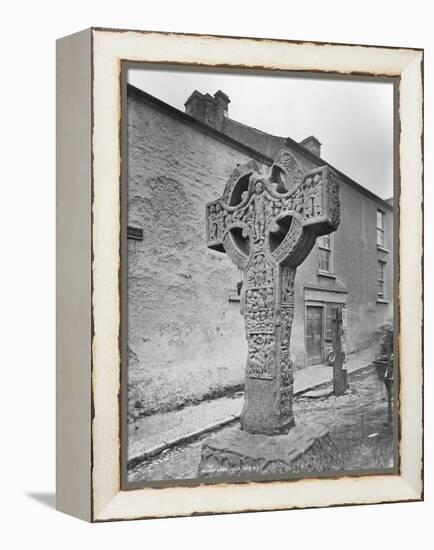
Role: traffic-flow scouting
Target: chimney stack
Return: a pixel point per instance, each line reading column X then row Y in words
column 312, row 144
column 208, row 109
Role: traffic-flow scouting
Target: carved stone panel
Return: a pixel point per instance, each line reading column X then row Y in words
column 313, row 197
column 261, row 362
column 286, row 365
column 259, row 310
column 333, row 203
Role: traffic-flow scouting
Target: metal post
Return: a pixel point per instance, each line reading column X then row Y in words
column 340, row 374
column 388, row 378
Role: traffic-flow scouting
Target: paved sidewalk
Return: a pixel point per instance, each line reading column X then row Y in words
column 153, row 434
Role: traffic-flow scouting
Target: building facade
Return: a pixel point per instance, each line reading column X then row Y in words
column 186, row 336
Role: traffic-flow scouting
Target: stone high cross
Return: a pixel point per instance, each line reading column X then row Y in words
column 268, row 224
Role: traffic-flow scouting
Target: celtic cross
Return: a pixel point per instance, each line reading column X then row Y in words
column 268, row 224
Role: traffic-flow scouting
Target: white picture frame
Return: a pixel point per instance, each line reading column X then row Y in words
column 88, row 267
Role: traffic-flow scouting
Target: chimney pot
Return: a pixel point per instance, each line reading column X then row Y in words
column 312, row 144
column 208, row 109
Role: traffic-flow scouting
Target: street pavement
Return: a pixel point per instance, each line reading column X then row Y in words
column 151, row 434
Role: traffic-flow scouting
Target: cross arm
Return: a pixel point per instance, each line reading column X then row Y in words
column 215, row 220
column 226, row 213
column 219, row 238
column 314, row 195
column 314, row 207
column 320, row 199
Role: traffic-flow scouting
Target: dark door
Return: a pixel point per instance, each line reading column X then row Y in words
column 314, row 335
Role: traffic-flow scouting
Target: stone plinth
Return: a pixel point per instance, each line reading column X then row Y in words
column 236, row 452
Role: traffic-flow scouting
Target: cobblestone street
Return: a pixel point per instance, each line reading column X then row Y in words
column 356, row 420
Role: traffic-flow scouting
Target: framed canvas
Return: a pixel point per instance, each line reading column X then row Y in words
column 200, row 177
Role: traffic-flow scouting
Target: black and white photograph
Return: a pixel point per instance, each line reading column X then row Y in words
column 217, row 236
column 259, row 275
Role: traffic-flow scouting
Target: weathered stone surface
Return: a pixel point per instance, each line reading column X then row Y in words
column 267, row 225
column 239, row 453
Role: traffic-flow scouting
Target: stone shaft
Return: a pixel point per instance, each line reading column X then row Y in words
column 268, row 309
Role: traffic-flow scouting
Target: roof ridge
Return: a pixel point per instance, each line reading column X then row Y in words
column 203, row 126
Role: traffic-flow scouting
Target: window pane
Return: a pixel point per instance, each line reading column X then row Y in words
column 321, row 258
column 380, row 221
column 324, row 259
column 324, row 241
column 380, row 288
column 380, row 279
column 380, row 237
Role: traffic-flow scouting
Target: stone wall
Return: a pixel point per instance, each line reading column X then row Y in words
column 185, row 339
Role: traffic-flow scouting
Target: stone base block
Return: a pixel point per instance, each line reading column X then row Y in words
column 238, row 453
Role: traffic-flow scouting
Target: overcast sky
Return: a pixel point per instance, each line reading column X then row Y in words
column 353, row 120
